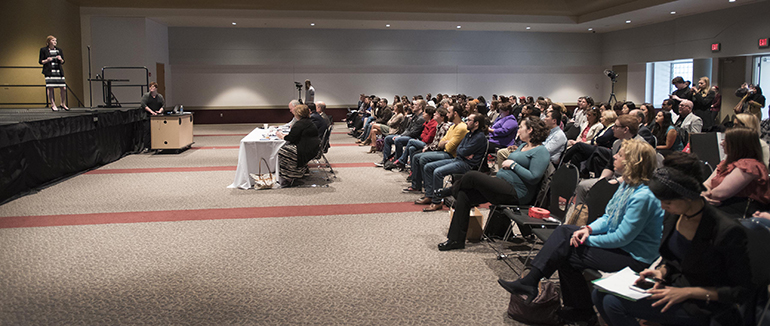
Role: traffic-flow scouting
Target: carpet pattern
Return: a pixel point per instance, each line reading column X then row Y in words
column 331, row 266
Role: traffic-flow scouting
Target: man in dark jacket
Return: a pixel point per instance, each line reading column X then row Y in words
column 413, row 130
column 470, row 153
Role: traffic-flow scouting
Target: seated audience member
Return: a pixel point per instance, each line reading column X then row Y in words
column 381, row 115
column 750, row 121
column 739, row 184
column 493, row 112
column 414, row 145
column 502, row 133
column 618, row 108
column 704, row 271
column 688, row 120
column 446, row 149
column 301, row 146
column 592, row 128
column 442, row 117
column 470, row 154
column 292, row 105
column 413, row 130
column 579, row 118
column 320, row 123
column 667, row 107
column 625, row 127
column 649, row 115
column 666, row 134
column 644, row 131
column 628, row 106
column 516, row 183
column 627, row 235
column 321, row 109
column 556, row 140
column 393, row 126
column 578, row 152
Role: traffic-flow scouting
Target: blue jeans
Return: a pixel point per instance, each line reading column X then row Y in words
column 434, row 173
column 400, row 142
column 619, row 311
column 367, row 130
column 386, row 146
column 413, row 146
column 420, row 160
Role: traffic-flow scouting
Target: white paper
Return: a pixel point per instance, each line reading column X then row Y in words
column 620, row 284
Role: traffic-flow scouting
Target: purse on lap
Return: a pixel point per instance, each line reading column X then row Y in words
column 263, row 181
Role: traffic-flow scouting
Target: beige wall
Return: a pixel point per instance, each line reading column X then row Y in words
column 25, row 25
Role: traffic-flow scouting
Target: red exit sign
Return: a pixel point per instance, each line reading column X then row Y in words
column 715, row 47
column 763, row 43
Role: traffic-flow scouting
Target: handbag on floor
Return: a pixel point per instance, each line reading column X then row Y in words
column 263, row 181
column 542, row 310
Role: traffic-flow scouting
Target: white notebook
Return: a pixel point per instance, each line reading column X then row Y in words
column 620, row 284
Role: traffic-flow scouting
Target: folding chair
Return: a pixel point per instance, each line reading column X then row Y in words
column 565, row 180
column 322, row 156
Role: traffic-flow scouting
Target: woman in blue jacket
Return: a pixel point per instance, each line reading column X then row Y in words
column 628, row 234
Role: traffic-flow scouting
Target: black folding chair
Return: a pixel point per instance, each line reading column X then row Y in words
column 564, row 183
column 322, row 156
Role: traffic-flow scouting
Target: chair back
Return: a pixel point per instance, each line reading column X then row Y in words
column 598, row 198
column 563, row 185
column 758, row 236
column 324, row 142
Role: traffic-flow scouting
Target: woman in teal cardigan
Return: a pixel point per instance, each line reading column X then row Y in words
column 628, row 234
column 515, row 184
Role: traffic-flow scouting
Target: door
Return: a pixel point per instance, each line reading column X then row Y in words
column 160, row 72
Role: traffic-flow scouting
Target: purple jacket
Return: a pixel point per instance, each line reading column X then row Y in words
column 505, row 129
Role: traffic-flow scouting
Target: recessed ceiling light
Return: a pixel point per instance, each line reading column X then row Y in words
column 628, row 22
column 233, row 23
column 387, row 25
column 529, row 27
column 312, row 24
column 673, row 12
column 732, row 0
column 458, row 26
column 590, row 28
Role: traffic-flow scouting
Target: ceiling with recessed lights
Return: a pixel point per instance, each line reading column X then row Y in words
column 494, row 15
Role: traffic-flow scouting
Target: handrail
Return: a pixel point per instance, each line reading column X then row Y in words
column 108, row 97
column 46, row 93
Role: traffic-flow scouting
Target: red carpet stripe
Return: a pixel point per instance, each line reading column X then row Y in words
column 221, row 135
column 205, row 214
column 237, row 147
column 216, row 147
column 209, row 168
column 161, row 170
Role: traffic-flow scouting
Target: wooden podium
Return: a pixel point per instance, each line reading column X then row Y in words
column 173, row 132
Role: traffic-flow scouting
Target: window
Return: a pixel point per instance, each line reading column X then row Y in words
column 659, row 76
column 762, row 77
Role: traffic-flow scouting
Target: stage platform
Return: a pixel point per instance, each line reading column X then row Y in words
column 39, row 147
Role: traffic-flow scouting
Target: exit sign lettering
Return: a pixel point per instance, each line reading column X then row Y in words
column 715, row 47
column 763, row 43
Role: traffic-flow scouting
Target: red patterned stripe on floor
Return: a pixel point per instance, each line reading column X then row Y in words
column 237, row 147
column 221, row 135
column 205, row 214
column 208, row 168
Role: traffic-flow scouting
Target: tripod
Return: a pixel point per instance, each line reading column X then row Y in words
column 299, row 91
column 612, row 93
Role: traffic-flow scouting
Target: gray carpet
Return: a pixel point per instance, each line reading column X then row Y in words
column 362, row 269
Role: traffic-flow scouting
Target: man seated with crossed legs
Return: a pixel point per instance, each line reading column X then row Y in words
column 470, row 153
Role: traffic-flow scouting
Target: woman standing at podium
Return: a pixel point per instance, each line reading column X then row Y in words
column 302, row 144
column 52, row 59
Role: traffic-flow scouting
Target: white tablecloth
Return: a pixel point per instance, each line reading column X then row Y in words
column 253, row 148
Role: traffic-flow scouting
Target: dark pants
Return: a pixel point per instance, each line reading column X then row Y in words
column 619, row 311
column 578, row 153
column 557, row 254
column 598, row 160
column 476, row 188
